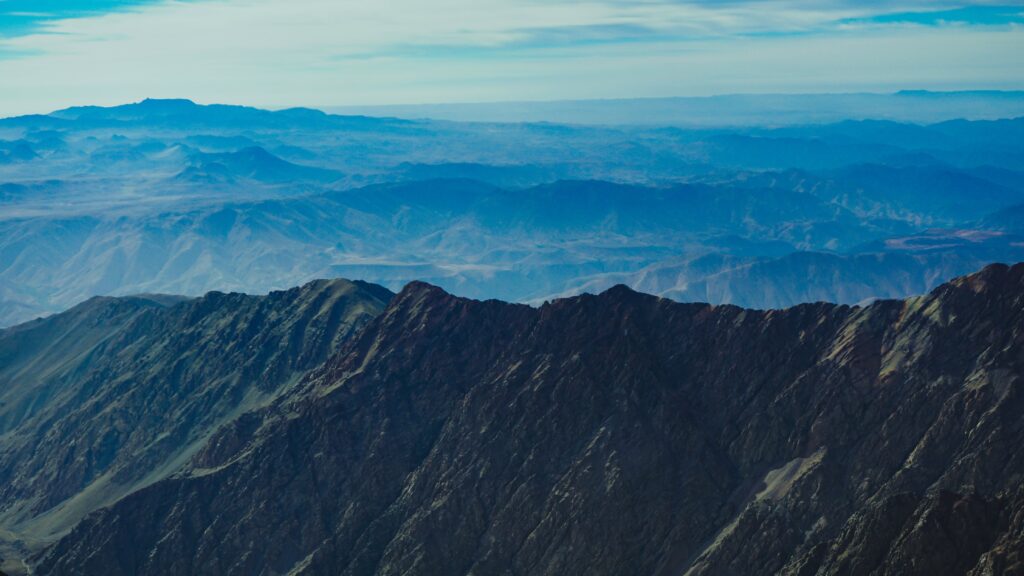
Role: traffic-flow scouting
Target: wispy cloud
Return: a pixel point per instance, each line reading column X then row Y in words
column 18, row 17
column 329, row 52
column 966, row 15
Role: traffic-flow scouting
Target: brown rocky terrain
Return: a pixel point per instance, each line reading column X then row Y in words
column 611, row 434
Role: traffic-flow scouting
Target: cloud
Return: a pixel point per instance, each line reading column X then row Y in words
column 994, row 15
column 19, row 17
column 334, row 52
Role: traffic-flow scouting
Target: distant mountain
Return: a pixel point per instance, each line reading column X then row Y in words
column 253, row 163
column 1012, row 179
column 945, row 195
column 16, row 151
column 483, row 241
column 118, row 393
column 732, row 110
column 215, row 142
column 185, row 113
column 1010, row 219
column 889, row 268
column 513, row 176
column 174, row 196
column 823, row 277
column 934, row 195
column 12, row 192
column 611, row 434
column 468, row 226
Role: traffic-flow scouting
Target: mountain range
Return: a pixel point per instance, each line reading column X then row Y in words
column 168, row 196
column 735, row 110
column 339, row 428
column 629, row 346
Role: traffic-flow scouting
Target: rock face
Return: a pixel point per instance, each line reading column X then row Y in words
column 612, row 434
column 118, row 393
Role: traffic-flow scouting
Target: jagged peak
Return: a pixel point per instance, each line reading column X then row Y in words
column 619, row 292
column 314, row 286
column 341, row 285
column 142, row 299
column 993, row 276
column 418, row 290
column 157, row 298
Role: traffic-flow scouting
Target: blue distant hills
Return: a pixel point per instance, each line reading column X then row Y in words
column 171, row 196
column 732, row 110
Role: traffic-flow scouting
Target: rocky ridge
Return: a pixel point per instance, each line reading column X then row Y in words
column 118, row 393
column 613, row 434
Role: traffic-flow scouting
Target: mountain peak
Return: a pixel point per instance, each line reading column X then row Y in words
column 253, row 162
column 619, row 292
column 417, row 290
column 166, row 103
column 256, row 153
column 997, row 277
column 341, row 286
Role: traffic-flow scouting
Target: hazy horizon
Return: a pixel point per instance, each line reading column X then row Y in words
column 720, row 110
column 320, row 53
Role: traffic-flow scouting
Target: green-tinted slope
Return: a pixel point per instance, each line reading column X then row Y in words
column 119, row 392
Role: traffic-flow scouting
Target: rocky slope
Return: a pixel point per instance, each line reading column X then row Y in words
column 613, row 434
column 118, row 393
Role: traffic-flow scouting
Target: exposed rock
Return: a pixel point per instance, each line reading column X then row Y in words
column 613, row 434
column 120, row 392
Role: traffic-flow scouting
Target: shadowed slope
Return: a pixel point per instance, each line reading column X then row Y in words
column 613, row 434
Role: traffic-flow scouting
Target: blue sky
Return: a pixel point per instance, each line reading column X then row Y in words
column 976, row 15
column 278, row 53
column 24, row 16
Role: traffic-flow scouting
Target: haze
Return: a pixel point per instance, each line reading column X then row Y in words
column 324, row 53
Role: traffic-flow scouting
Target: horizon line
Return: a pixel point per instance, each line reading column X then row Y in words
column 327, row 108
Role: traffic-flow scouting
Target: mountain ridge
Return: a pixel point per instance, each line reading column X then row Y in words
column 182, row 111
column 137, row 383
column 612, row 433
column 146, row 198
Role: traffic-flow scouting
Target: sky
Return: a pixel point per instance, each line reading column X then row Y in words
column 323, row 53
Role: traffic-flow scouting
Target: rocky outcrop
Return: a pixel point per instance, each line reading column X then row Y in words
column 118, row 393
column 613, row 434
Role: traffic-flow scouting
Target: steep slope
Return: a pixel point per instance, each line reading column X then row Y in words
column 120, row 392
column 32, row 355
column 614, row 434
